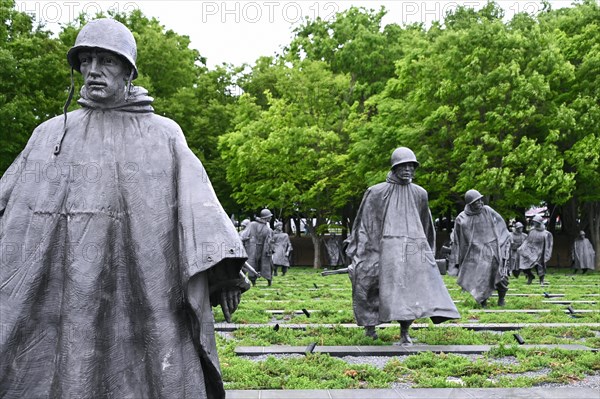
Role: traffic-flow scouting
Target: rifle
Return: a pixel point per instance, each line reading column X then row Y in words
column 338, row 271
column 249, row 269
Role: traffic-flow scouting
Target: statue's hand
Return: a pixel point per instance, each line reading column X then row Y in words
column 230, row 299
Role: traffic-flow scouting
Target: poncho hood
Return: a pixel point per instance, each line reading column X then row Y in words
column 137, row 100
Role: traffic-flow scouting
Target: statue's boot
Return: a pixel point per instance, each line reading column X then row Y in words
column 404, row 329
column 584, row 271
column 484, row 304
column 501, row 298
column 530, row 277
column 370, row 332
column 269, row 283
column 541, row 280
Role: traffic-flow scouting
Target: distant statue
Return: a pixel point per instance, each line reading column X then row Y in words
column 334, row 251
column 583, row 254
column 243, row 224
column 536, row 250
column 114, row 246
column 282, row 248
column 516, row 239
column 391, row 247
column 258, row 241
column 480, row 242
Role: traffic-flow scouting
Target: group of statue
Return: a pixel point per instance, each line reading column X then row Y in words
column 267, row 249
column 107, row 280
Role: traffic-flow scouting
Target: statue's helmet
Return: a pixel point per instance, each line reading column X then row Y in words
column 538, row 219
column 245, row 222
column 472, row 196
column 403, row 155
column 107, row 34
column 278, row 224
column 265, row 213
column 518, row 225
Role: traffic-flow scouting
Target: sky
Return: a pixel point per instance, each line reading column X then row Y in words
column 238, row 32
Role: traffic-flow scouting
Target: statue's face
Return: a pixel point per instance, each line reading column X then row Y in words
column 405, row 171
column 477, row 205
column 104, row 75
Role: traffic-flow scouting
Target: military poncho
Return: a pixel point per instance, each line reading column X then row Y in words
column 583, row 254
column 393, row 270
column 109, row 250
column 480, row 247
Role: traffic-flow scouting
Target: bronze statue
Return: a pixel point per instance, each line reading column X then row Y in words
column 391, row 247
column 243, row 224
column 536, row 250
column 334, row 250
column 282, row 248
column 516, row 239
column 582, row 254
column 258, row 241
column 480, row 242
column 112, row 257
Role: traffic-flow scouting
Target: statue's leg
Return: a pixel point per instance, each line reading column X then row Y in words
column 530, row 276
column 370, row 332
column 502, row 287
column 404, row 329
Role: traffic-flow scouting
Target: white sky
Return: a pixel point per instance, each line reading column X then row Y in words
column 240, row 31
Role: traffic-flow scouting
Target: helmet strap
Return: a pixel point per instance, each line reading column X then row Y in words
column 128, row 85
column 65, row 109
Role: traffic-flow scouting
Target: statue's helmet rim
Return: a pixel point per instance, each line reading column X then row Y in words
column 403, row 155
column 265, row 213
column 472, row 196
column 106, row 34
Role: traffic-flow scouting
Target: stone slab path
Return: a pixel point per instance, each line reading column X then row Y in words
column 384, row 350
column 228, row 327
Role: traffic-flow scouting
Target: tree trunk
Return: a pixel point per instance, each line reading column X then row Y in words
column 568, row 216
column 298, row 226
column 316, row 240
column 591, row 213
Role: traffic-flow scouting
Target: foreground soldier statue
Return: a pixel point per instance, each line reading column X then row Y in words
column 583, row 254
column 282, row 247
column 257, row 238
column 536, row 250
column 480, row 244
column 393, row 270
column 112, row 257
column 516, row 239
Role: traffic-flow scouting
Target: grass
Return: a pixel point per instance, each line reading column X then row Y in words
column 329, row 300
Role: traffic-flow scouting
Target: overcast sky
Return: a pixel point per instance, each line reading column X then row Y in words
column 241, row 31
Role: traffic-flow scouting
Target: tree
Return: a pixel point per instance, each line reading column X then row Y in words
column 577, row 34
column 34, row 79
column 288, row 157
column 472, row 99
column 353, row 43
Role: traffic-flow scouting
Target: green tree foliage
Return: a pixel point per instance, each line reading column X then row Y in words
column 289, row 157
column 354, row 43
column 473, row 101
column 34, row 79
column 577, row 34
